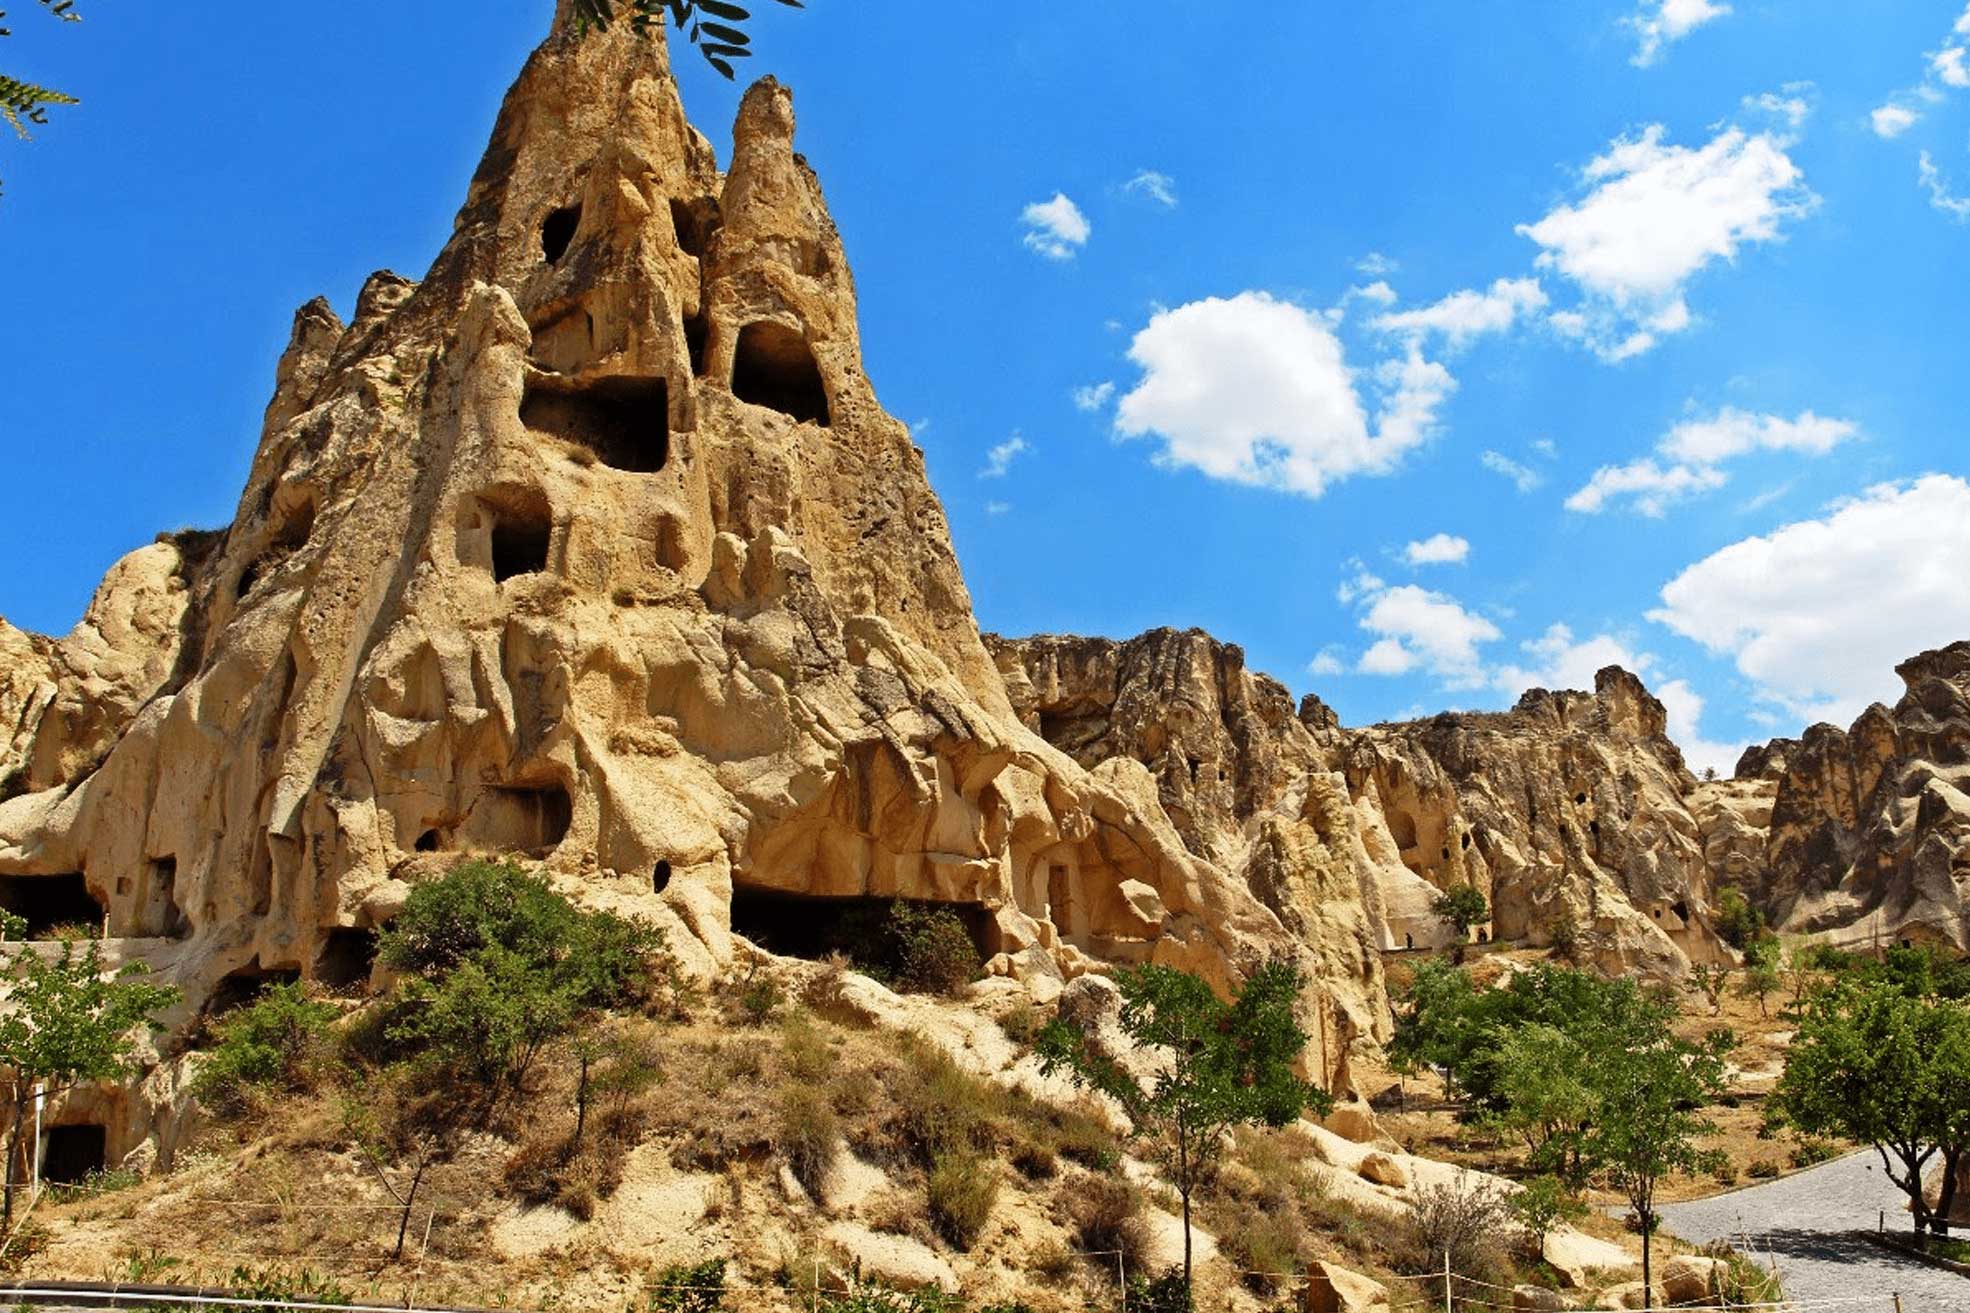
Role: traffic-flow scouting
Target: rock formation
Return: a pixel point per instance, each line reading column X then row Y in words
column 593, row 545
column 1870, row 827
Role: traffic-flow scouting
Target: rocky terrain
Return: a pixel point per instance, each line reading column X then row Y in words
column 595, row 545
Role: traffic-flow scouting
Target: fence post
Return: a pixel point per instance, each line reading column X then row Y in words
column 1446, row 1281
column 1898, row 1301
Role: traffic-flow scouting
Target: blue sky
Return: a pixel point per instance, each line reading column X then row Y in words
column 1645, row 323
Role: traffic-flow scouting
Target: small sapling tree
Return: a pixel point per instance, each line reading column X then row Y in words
column 1216, row 1064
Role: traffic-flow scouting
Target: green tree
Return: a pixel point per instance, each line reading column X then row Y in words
column 70, row 1019
column 22, row 103
column 1878, row 1066
column 1764, row 972
column 1545, row 1082
column 1462, row 908
column 1217, row 1064
column 1651, row 1086
column 1543, row 1205
column 274, row 1041
column 1738, row 922
column 713, row 26
column 500, row 965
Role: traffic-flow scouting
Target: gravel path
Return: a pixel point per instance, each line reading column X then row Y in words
column 1806, row 1222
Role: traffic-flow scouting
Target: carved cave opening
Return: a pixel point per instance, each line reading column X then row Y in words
column 697, row 332
column 624, row 421
column 557, row 232
column 692, row 225
column 241, row 987
column 522, row 532
column 773, row 366
column 660, row 877
column 161, row 916
column 72, row 1154
column 50, row 902
column 812, row 926
column 348, row 953
column 529, row 818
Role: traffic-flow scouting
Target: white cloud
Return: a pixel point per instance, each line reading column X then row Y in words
column 1000, row 458
column 1560, row 662
column 1660, row 22
column 1947, row 65
column 1792, row 103
column 1327, row 661
column 1685, row 707
column 1818, row 613
column 997, row 507
column 1376, row 265
column 1418, row 627
column 1940, row 195
column 1094, row 396
column 1438, row 549
column 1362, row 584
column 1545, row 447
column 1055, row 228
column 1158, row 187
column 1657, row 216
column 1892, row 121
column 1649, row 486
column 1524, row 477
column 1694, row 450
column 1469, row 314
column 1254, row 390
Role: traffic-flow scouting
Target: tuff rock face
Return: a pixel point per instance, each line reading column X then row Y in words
column 594, row 545
column 1870, row 827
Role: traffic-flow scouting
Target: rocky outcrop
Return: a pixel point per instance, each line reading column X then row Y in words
column 595, row 545
column 1870, row 827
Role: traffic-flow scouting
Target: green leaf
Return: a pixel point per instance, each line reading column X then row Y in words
column 732, row 52
column 720, row 65
column 731, row 36
column 720, row 9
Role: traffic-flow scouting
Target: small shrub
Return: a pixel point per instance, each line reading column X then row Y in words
column 1022, row 1024
column 96, row 1183
column 1054, row 1262
column 277, row 1041
column 808, row 1138
column 882, row 1299
column 920, row 948
column 1811, row 1151
column 804, row 1049
column 1168, row 1293
column 1542, row 1206
column 688, row 1288
column 1724, row 1173
column 1764, row 1169
column 962, row 1187
column 1461, row 1217
column 1267, row 1245
column 760, row 999
column 1105, row 1218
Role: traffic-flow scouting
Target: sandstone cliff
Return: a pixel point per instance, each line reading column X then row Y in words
column 1870, row 826
column 593, row 545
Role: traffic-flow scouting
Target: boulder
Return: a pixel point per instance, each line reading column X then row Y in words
column 1331, row 1288
column 1384, row 1170
column 1688, row 1277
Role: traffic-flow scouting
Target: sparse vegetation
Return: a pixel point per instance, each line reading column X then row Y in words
column 279, row 1041
column 1462, row 908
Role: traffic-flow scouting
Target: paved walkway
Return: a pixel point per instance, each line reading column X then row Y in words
column 1805, row 1223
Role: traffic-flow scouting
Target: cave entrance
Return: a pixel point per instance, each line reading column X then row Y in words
column 522, row 532
column 557, row 232
column 624, row 421
column 161, row 916
column 812, row 926
column 519, row 818
column 52, row 902
column 348, row 953
column 244, row 985
column 72, row 1154
column 773, row 366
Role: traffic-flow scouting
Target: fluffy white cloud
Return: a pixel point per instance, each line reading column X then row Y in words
column 1560, row 661
column 1438, row 549
column 1940, row 195
column 1094, row 396
column 1376, row 265
column 1656, row 216
column 1418, row 627
column 1685, row 707
column 1648, row 486
column 1523, row 476
column 1792, row 103
column 1000, row 458
column 1158, row 187
column 1327, row 661
column 1469, row 314
column 1694, row 450
column 1255, row 390
column 997, row 507
column 1055, row 228
column 1892, row 121
column 1817, row 613
column 1660, row 22
column 1948, row 67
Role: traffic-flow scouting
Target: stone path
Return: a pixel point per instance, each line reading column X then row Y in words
column 1806, row 1223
